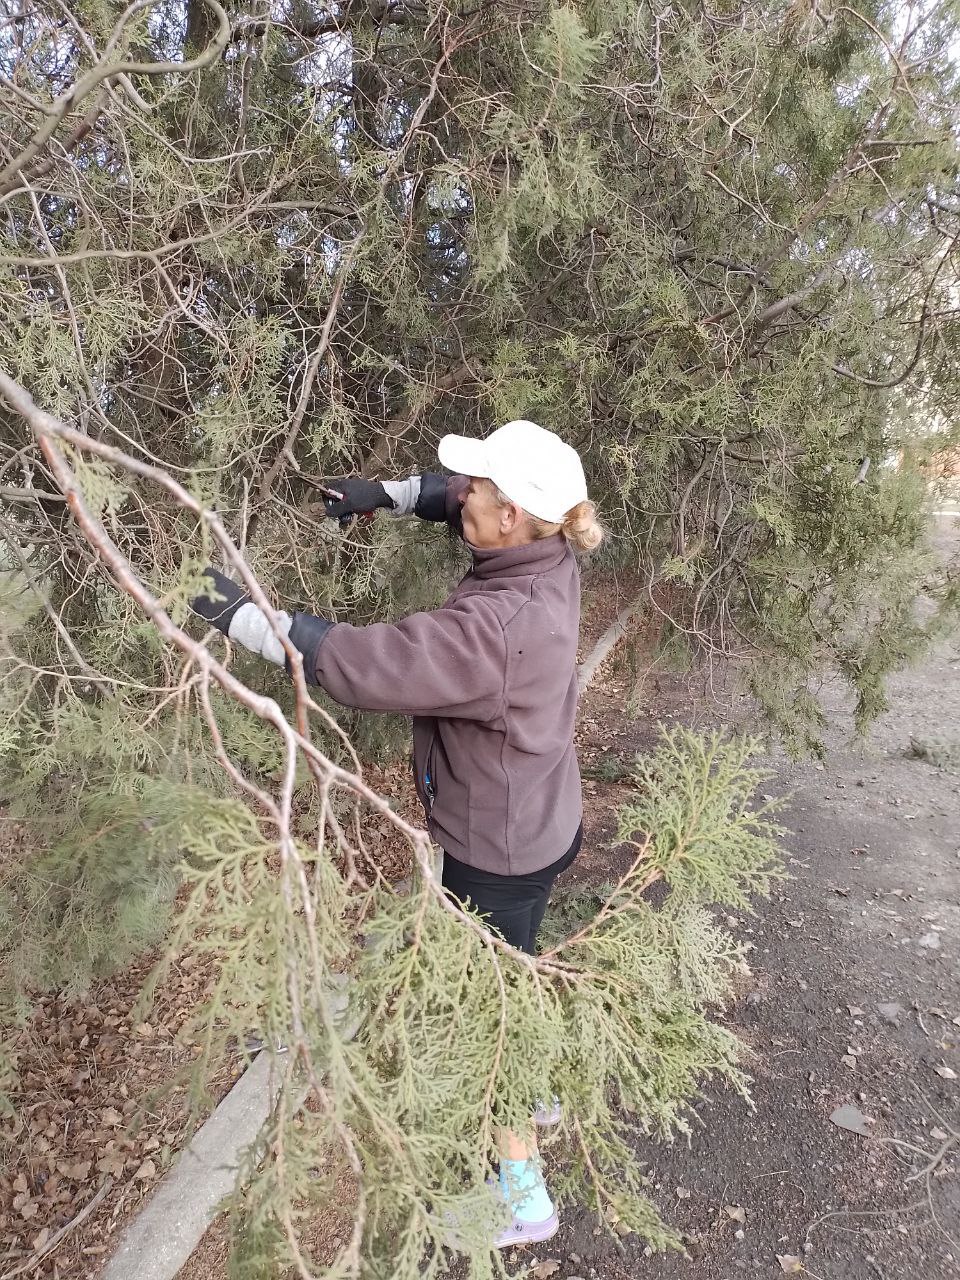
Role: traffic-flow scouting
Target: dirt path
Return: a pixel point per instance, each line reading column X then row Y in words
column 871, row 918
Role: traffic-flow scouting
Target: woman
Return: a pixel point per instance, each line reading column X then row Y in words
column 490, row 680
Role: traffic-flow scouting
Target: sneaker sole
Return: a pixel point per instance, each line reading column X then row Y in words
column 520, row 1233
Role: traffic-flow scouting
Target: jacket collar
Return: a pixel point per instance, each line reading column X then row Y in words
column 519, row 562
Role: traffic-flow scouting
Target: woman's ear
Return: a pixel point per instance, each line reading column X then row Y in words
column 510, row 517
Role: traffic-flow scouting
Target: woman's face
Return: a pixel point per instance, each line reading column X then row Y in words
column 487, row 524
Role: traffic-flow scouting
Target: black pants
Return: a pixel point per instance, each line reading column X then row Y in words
column 513, row 905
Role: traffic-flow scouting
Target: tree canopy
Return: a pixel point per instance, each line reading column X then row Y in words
column 714, row 249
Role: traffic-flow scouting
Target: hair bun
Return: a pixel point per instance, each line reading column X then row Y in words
column 581, row 528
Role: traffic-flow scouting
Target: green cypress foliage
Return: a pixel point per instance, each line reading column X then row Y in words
column 455, row 1033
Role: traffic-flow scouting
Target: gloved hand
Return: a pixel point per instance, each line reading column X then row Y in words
column 360, row 497
column 246, row 624
column 220, row 612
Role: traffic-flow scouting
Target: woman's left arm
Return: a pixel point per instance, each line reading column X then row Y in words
column 228, row 608
column 448, row 662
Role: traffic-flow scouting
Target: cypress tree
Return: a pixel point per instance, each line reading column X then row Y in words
column 713, row 247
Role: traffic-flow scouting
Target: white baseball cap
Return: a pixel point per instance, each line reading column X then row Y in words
column 531, row 465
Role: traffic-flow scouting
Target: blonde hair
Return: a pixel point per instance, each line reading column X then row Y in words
column 582, row 529
column 579, row 526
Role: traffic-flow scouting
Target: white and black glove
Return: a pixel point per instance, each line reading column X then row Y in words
column 423, row 496
column 228, row 608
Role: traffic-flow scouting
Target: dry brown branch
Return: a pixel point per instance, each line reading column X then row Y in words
column 59, row 1236
column 107, row 69
column 379, row 457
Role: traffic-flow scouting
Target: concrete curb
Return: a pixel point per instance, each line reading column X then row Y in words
column 163, row 1235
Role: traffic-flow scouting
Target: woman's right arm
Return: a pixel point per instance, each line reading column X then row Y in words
column 430, row 496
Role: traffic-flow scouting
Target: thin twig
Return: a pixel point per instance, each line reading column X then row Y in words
column 56, row 1240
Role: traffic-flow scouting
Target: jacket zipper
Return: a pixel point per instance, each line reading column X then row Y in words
column 429, row 787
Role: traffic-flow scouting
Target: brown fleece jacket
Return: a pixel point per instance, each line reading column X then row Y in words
column 490, row 680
